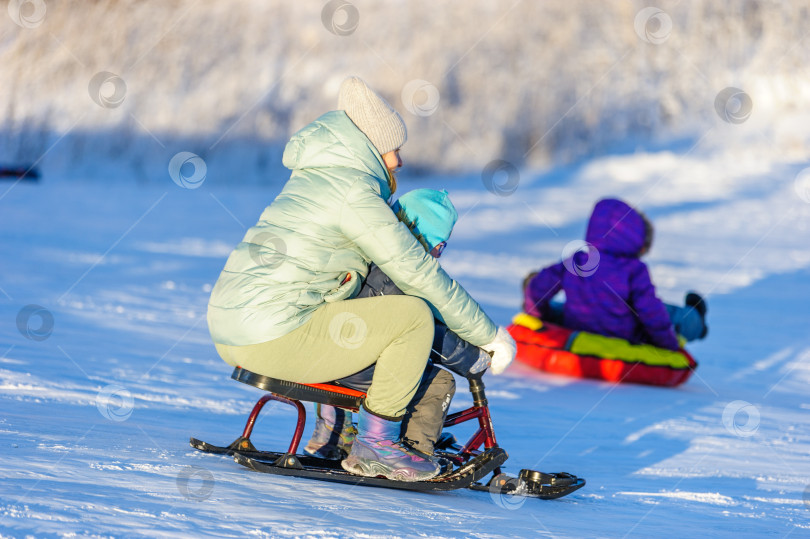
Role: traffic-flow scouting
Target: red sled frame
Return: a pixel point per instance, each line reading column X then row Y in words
column 350, row 399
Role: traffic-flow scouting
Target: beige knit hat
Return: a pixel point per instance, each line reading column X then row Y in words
column 373, row 115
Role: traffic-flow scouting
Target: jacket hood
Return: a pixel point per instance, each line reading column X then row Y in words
column 616, row 228
column 333, row 141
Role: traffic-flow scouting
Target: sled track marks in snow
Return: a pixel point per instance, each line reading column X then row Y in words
column 742, row 506
column 712, row 498
column 189, row 247
column 27, row 387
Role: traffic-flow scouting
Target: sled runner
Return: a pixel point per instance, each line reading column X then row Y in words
column 555, row 349
column 467, row 465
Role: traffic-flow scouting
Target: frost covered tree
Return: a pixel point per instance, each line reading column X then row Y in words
column 529, row 82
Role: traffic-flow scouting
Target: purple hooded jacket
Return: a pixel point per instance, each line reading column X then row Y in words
column 614, row 297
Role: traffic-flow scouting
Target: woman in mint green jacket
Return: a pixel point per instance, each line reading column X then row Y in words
column 282, row 306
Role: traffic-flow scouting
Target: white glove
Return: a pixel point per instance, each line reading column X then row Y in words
column 502, row 349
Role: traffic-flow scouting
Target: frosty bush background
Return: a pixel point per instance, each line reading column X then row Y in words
column 527, row 82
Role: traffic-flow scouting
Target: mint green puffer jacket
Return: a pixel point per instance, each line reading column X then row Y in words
column 330, row 220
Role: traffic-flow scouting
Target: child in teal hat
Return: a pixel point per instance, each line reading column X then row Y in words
column 430, row 216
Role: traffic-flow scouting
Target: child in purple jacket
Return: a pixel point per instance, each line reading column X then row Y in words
column 608, row 289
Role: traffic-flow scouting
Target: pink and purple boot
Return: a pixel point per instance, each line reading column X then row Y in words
column 378, row 451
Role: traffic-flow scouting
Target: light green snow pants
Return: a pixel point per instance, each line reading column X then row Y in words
column 345, row 337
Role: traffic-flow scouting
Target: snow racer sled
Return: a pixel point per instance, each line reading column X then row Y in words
column 558, row 350
column 466, row 466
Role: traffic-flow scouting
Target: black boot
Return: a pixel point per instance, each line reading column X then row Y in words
column 696, row 301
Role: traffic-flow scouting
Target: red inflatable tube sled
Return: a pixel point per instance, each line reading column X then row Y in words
column 558, row 350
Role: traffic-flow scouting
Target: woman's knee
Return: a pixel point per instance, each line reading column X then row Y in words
column 416, row 309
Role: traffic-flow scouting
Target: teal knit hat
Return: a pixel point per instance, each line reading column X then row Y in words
column 428, row 213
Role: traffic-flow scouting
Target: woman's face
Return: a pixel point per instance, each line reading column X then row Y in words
column 392, row 160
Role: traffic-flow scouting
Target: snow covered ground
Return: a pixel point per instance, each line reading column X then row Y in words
column 103, row 384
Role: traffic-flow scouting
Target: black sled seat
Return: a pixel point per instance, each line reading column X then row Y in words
column 334, row 395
